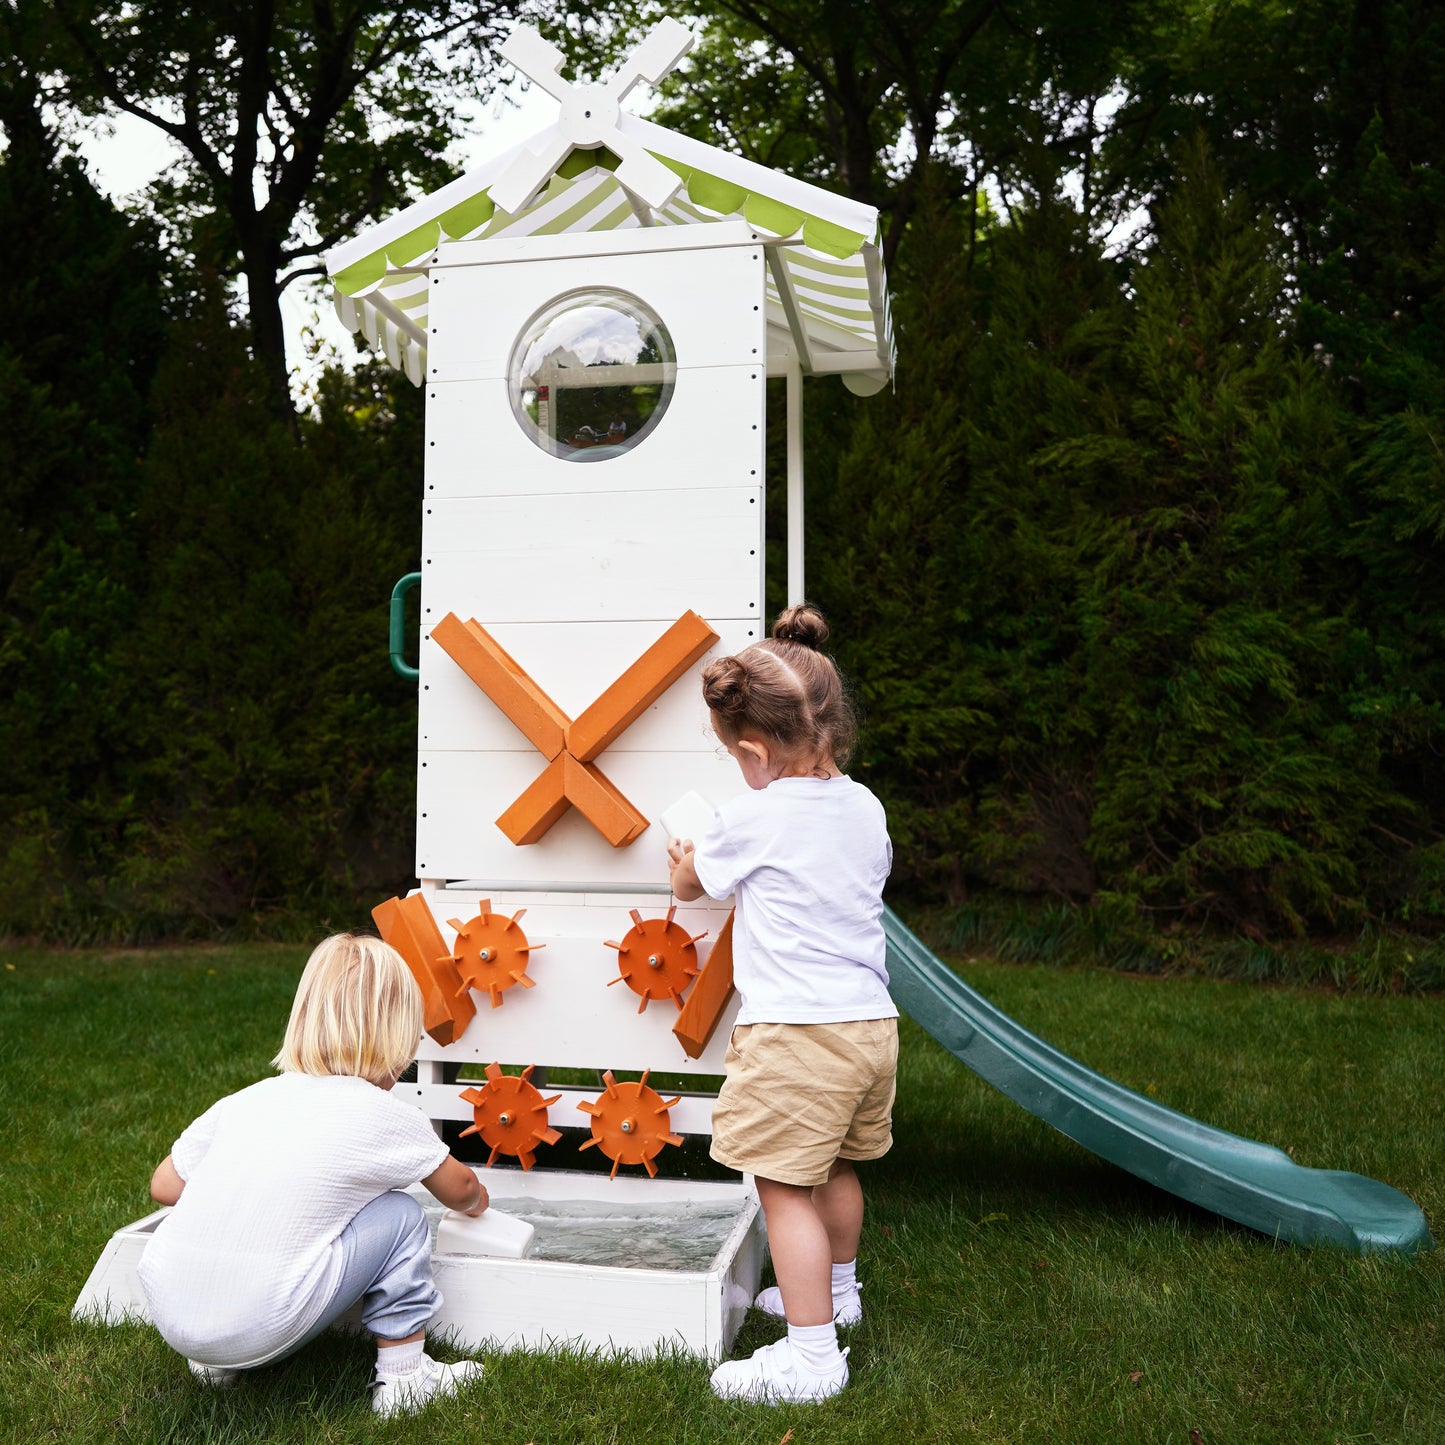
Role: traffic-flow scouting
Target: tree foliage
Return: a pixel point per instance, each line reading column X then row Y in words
column 883, row 98
column 297, row 121
column 1137, row 571
column 1095, row 571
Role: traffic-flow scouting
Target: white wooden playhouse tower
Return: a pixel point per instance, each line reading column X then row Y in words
column 594, row 316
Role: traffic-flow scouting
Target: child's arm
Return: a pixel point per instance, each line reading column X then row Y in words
column 683, row 874
column 457, row 1187
column 166, row 1184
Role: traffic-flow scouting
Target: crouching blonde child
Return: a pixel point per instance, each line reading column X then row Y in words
column 287, row 1211
column 805, row 853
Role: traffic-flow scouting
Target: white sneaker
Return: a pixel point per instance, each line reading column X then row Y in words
column 775, row 1374
column 218, row 1377
column 847, row 1307
column 407, row 1394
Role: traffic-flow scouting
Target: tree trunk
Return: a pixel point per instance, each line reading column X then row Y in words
column 261, row 262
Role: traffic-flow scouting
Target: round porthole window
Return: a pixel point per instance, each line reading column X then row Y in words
column 591, row 375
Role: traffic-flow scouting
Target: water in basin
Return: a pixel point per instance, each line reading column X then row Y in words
column 678, row 1235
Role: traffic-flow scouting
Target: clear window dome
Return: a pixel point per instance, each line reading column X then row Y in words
column 591, row 375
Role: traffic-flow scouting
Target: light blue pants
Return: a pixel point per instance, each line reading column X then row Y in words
column 386, row 1251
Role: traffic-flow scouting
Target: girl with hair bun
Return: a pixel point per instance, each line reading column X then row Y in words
column 812, row 1060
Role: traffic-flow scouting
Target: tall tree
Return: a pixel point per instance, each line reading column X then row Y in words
column 297, row 120
column 872, row 95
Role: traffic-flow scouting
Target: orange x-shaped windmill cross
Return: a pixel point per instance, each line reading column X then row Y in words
column 571, row 777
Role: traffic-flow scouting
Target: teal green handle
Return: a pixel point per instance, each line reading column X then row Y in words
column 399, row 664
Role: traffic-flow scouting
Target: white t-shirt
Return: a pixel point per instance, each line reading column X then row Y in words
column 250, row 1256
column 807, row 859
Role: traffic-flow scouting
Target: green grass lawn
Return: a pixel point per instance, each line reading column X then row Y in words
column 1016, row 1288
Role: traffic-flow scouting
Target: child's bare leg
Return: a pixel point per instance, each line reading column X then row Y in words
column 839, row 1203
column 411, row 1339
column 799, row 1243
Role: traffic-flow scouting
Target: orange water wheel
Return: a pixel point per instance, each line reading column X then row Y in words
column 491, row 952
column 656, row 958
column 511, row 1115
column 630, row 1123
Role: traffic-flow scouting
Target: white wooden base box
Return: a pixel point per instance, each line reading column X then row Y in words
column 537, row 1304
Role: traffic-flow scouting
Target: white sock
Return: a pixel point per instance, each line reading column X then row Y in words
column 845, row 1277
column 399, row 1359
column 816, row 1346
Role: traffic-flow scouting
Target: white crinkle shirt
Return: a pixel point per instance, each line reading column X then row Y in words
column 250, row 1256
column 807, row 859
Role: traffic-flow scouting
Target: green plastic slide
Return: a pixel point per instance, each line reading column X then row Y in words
column 1251, row 1183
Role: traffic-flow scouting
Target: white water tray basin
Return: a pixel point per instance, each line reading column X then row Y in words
column 681, row 1300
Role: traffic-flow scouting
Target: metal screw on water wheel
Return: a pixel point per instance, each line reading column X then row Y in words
column 630, row 1123
column 510, row 1114
column 657, row 958
column 491, row 952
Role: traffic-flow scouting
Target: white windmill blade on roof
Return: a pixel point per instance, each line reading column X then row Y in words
column 538, row 158
column 655, row 58
column 589, row 116
column 537, row 58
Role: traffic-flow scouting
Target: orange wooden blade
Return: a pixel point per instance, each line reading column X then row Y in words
column 528, row 819
column 505, row 681
column 408, row 926
column 593, row 794
column 601, row 724
column 708, row 996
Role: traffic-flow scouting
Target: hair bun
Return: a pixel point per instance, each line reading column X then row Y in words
column 802, row 623
column 726, row 685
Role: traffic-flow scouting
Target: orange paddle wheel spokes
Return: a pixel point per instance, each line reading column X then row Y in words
column 657, row 958
column 491, row 952
column 510, row 1114
column 630, row 1123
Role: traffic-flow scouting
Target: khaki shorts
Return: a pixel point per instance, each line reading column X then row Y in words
column 799, row 1096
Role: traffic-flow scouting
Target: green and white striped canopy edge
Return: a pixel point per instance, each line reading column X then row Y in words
column 833, row 301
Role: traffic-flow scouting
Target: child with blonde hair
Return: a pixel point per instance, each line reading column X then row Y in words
column 287, row 1210
column 811, row 1063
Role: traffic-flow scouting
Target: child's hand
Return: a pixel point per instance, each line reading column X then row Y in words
column 682, row 875
column 480, row 1207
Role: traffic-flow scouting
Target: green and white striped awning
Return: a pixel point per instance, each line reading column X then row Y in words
column 827, row 300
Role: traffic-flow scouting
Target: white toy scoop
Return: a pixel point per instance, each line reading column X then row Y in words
column 492, row 1232
column 689, row 817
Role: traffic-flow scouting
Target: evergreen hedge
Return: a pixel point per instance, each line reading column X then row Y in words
column 1137, row 578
